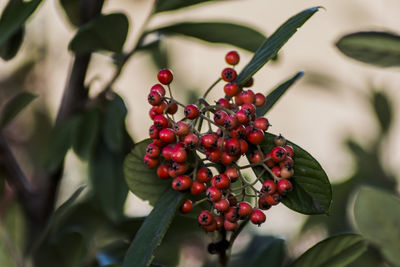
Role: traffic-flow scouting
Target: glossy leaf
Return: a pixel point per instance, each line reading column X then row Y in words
column 312, row 192
column 335, row 251
column 14, row 106
column 273, row 44
column 377, row 217
column 14, row 17
column 151, row 234
column 276, row 94
column 105, row 32
column 10, row 48
column 383, row 110
column 217, row 32
column 86, row 134
column 376, row 48
column 114, row 124
column 142, row 181
column 72, row 11
column 169, row 5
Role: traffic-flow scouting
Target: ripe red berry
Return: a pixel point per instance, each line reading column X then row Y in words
column 244, row 209
column 222, row 102
column 258, row 217
column 172, row 108
column 152, row 114
column 273, row 199
column 248, row 97
column 284, row 187
column 232, row 199
column 179, row 154
column 244, row 147
column 280, row 140
column 277, row 171
column 154, row 98
column 249, row 107
column 261, row 123
column 263, row 203
column 205, row 218
column 182, row 183
column 153, row 151
column 159, row 109
column 150, row 162
column 197, row 188
column 204, row 175
column 255, row 156
column 270, row 163
column 211, row 227
column 232, row 58
column 221, row 142
column 268, row 187
column 191, row 141
column 187, row 206
column 243, row 116
column 289, row 150
column 238, row 100
column 167, row 135
column 219, row 117
column 222, row 205
column 162, row 171
column 239, row 132
column 160, row 121
column 232, row 173
column 219, row 220
column 214, row 155
column 249, row 82
column 209, row 140
column 221, row 181
column 159, row 143
column 228, row 74
column 260, row 100
column 153, row 132
column 158, row 88
column 230, row 122
column 165, row 76
column 231, row 89
column 278, row 154
column 167, row 152
column 232, row 214
column 177, row 169
column 230, row 226
column 227, row 159
column 181, row 128
column 256, row 136
column 191, row 112
column 286, row 163
column 232, row 146
column 213, row 194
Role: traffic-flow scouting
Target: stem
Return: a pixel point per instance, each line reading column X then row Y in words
column 237, row 232
column 211, row 87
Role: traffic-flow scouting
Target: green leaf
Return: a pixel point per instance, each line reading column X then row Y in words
column 14, row 17
column 383, row 110
column 10, row 48
column 14, row 106
column 335, row 251
column 312, row 192
column 72, row 11
column 168, row 5
column 273, row 44
column 376, row 48
column 276, row 94
column 217, row 32
column 150, row 235
column 107, row 178
column 142, row 181
column 86, row 134
column 105, row 32
column 377, row 218
column 114, row 124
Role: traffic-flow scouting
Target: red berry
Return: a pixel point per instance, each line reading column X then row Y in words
column 159, row 109
column 256, row 136
column 228, row 74
column 280, row 140
column 172, row 108
column 243, row 116
column 187, row 206
column 255, row 156
column 261, row 123
column 260, row 100
column 181, row 128
column 159, row 143
column 273, row 199
column 249, row 82
column 221, row 142
column 263, row 203
column 289, row 150
column 232, row 173
column 153, row 151
column 154, row 98
column 284, row 187
column 181, row 183
column 211, row 227
column 160, row 121
column 232, row 214
column 158, row 88
column 165, row 76
column 153, row 132
column 277, row 171
column 150, row 162
column 191, row 112
column 209, row 140
column 232, row 58
column 204, row 175
column 214, row 155
column 179, row 154
column 239, row 132
column 219, row 220
column 232, row 146
column 249, row 107
column 177, row 169
column 205, row 218
column 191, row 141
column 230, row 122
column 162, row 171
column 232, row 199
column 231, row 89
column 258, row 217
column 221, row 181
column 268, row 187
column 238, row 100
column 278, row 154
column 167, row 135
column 222, row 205
column 244, row 209
column 222, row 102
column 244, row 147
column 167, row 152
column 227, row 159
column 219, row 117
column 248, row 97
column 197, row 188
column 213, row 194
column 286, row 163
column 230, row 226
column 152, row 114
column 270, row 163
column 286, row 173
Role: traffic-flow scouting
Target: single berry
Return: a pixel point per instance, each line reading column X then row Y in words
column 256, row 136
column 152, row 114
column 213, row 194
column 239, row 132
column 179, row 154
column 165, row 76
column 270, row 163
column 286, row 163
column 181, row 128
column 219, row 117
column 214, row 155
column 154, row 98
column 172, row 107
column 230, row 122
column 244, row 147
column 260, row 100
column 160, row 122
column 211, row 227
column 167, row 135
column 255, row 156
column 232, row 58
column 232, row 173
column 159, row 143
column 158, row 88
column 204, row 175
column 167, row 152
column 243, row 116
column 181, row 183
column 222, row 205
column 286, row 173
column 268, row 187
column 209, row 140
column 231, row 89
column 289, row 150
column 222, row 102
column 232, row 199
column 221, row 181
column 261, row 123
column 263, row 203
column 238, row 100
column 153, row 132
column 153, row 151
column 277, row 171
column 197, row 188
column 219, row 220
column 278, row 154
column 150, row 162
column 177, row 169
column 159, row 109
column 187, row 206
column 232, row 214
column 232, row 147
column 249, row 82
column 284, row 187
column 162, row 171
column 191, row 112
column 280, row 140
column 273, row 199
column 230, row 226
column 228, row 74
column 244, row 209
column 248, row 97
column 191, row 141
column 227, row 159
column 205, row 218
column 258, row 217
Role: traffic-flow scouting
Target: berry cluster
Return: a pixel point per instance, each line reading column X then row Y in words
column 233, row 130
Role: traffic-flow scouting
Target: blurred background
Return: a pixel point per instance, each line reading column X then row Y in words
column 329, row 112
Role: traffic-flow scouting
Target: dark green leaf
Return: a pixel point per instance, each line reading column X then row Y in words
column 14, row 16
column 383, row 110
column 168, row 5
column 107, row 178
column 312, row 192
column 14, row 106
column 150, row 235
column 273, row 44
column 72, row 10
column 377, row 48
column 274, row 96
column 377, row 217
column 142, row 181
column 114, row 124
column 370, row 258
column 10, row 48
column 86, row 134
column 217, row 32
column 335, row 251
column 105, row 32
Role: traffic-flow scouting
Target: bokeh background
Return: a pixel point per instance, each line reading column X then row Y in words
column 330, row 105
